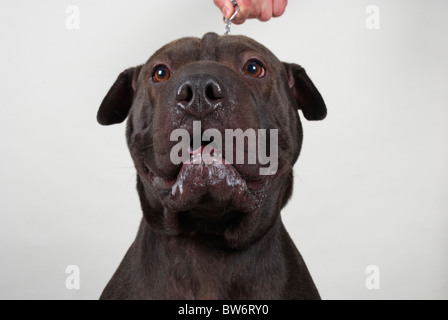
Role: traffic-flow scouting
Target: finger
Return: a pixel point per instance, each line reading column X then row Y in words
column 243, row 14
column 266, row 10
column 278, row 7
column 225, row 6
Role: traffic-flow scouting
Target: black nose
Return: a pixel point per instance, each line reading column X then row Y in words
column 200, row 95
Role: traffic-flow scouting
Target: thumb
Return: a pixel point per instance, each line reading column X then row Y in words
column 225, row 6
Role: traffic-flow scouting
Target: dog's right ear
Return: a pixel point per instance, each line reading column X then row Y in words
column 118, row 101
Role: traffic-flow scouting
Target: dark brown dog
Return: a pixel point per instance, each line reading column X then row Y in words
column 203, row 237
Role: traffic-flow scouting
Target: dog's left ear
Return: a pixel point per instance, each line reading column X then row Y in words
column 308, row 98
column 118, row 101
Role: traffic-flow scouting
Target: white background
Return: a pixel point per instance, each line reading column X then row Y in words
column 371, row 185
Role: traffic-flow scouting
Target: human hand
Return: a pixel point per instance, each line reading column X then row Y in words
column 262, row 10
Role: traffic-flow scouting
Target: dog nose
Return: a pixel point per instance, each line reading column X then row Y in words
column 200, row 95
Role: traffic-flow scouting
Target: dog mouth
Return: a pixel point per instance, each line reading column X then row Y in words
column 201, row 159
column 206, row 174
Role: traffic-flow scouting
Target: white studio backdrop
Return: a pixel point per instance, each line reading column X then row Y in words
column 371, row 184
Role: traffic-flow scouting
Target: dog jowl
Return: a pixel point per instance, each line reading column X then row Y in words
column 212, row 230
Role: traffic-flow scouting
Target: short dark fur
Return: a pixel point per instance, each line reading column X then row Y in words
column 211, row 241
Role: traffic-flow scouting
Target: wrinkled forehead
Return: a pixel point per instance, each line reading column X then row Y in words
column 211, row 47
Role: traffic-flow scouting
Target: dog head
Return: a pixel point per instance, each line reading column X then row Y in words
column 195, row 91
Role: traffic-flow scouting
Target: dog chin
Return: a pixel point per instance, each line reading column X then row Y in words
column 213, row 181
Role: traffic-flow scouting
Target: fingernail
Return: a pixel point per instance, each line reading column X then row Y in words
column 225, row 12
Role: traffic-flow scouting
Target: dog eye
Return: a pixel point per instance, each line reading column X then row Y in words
column 161, row 73
column 254, row 69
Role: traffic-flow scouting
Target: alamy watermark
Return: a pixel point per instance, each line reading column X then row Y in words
column 373, row 18
column 73, row 18
column 73, row 281
column 373, row 280
column 194, row 151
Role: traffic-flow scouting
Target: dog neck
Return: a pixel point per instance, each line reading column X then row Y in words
column 259, row 261
column 251, row 260
column 182, row 267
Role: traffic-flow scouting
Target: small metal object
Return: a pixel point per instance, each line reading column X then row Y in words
column 228, row 22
